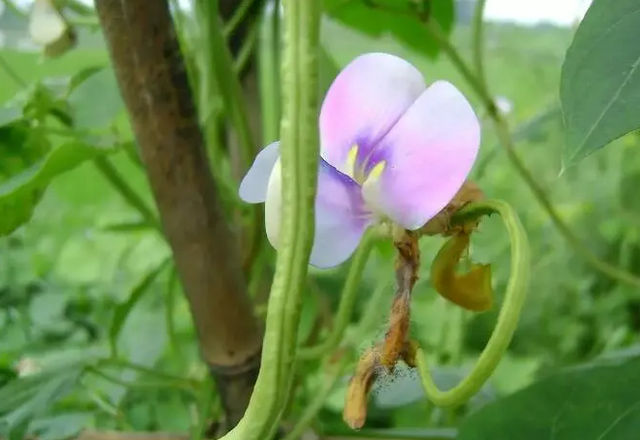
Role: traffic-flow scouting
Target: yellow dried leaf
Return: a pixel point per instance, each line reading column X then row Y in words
column 471, row 290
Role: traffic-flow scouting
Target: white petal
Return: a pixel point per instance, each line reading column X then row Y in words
column 253, row 188
column 46, row 25
column 340, row 216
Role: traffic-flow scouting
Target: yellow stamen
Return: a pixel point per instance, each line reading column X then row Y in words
column 351, row 161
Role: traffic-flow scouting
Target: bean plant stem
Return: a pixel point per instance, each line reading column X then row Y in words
column 298, row 167
column 228, row 84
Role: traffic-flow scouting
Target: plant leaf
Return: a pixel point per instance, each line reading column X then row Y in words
column 96, row 101
column 600, row 83
column 401, row 18
column 20, row 194
column 31, row 396
column 122, row 311
column 9, row 114
column 593, row 402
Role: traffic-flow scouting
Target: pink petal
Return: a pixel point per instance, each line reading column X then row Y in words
column 365, row 100
column 253, row 188
column 424, row 160
column 340, row 215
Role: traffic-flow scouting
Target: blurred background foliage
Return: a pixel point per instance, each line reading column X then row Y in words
column 89, row 298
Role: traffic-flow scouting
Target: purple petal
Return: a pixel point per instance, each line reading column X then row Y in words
column 253, row 188
column 423, row 161
column 341, row 217
column 366, row 99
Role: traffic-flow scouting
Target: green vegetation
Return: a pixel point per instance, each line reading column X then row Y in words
column 86, row 293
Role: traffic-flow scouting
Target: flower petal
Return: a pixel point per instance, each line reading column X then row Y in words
column 340, row 216
column 253, row 188
column 46, row 24
column 423, row 161
column 368, row 96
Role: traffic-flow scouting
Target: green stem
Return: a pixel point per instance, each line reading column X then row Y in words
column 578, row 246
column 347, row 300
column 441, row 38
column 313, row 407
column 128, row 194
column 228, row 84
column 240, row 13
column 245, row 51
column 169, row 309
column 10, row 5
column 119, row 363
column 507, row 318
column 506, row 140
column 299, row 167
column 478, row 42
column 140, row 384
column 269, row 71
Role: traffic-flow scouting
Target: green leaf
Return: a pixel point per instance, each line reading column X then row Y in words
column 9, row 114
column 21, row 146
column 81, row 76
column 122, row 311
column 31, row 396
column 592, row 402
column 600, row 84
column 62, row 426
column 96, row 101
column 20, row 194
column 404, row 19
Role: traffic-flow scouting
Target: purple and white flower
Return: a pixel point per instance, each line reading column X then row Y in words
column 392, row 150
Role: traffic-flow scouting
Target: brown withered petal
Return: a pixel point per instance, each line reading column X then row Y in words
column 471, row 290
column 355, row 407
column 439, row 225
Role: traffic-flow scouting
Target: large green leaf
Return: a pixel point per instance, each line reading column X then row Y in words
column 123, row 310
column 600, row 85
column 95, row 100
column 9, row 114
column 404, row 19
column 61, row 426
column 32, row 396
column 594, row 402
column 21, row 192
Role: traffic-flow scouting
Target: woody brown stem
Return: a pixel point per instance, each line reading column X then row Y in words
column 153, row 82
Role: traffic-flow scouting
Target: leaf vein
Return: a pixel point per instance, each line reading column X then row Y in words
column 613, row 99
column 619, row 419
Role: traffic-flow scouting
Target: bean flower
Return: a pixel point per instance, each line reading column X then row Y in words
column 393, row 150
